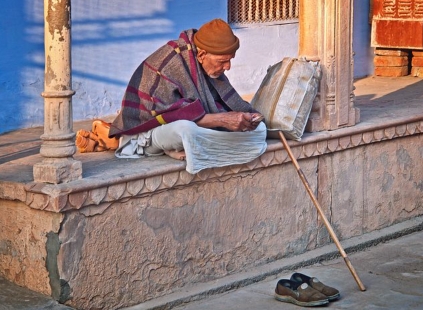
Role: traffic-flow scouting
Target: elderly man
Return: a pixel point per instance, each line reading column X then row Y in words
column 180, row 103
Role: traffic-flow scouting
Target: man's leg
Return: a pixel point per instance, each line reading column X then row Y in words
column 207, row 148
column 168, row 138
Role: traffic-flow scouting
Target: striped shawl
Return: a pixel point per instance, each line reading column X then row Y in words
column 170, row 85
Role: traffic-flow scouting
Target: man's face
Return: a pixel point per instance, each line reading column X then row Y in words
column 214, row 65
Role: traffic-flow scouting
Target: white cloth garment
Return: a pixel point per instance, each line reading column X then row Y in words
column 133, row 146
column 204, row 148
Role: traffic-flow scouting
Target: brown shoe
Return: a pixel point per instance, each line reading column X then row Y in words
column 330, row 292
column 299, row 294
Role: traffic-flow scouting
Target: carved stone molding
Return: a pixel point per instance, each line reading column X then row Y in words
column 326, row 34
column 99, row 195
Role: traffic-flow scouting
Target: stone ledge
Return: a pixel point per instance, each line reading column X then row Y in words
column 107, row 179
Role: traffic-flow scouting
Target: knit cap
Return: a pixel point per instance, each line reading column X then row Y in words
column 216, row 37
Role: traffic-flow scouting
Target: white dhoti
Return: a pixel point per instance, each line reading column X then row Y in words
column 204, row 148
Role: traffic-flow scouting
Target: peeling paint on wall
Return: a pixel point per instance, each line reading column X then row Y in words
column 49, row 73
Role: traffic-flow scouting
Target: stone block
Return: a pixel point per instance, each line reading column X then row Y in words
column 389, row 52
column 117, row 254
column 391, row 71
column 390, row 61
column 418, row 53
column 372, row 186
column 417, row 71
column 393, row 182
column 151, row 246
column 57, row 170
column 417, row 61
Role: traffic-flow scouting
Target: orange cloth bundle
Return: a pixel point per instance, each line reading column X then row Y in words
column 96, row 140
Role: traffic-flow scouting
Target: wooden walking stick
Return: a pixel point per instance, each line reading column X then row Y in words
column 319, row 210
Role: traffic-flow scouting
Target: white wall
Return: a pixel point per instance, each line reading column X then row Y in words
column 260, row 47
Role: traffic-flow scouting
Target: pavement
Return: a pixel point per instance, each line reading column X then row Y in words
column 14, row 297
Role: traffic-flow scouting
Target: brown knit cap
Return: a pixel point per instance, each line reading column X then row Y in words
column 216, row 37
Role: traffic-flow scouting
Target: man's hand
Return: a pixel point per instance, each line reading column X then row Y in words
column 256, row 118
column 233, row 121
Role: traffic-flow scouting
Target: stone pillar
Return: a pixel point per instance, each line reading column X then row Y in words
column 326, row 34
column 58, row 147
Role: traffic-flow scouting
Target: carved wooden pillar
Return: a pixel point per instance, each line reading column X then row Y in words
column 58, row 147
column 326, row 35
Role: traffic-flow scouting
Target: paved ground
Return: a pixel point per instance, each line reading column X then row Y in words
column 13, row 297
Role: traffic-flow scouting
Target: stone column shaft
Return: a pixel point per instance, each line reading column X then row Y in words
column 326, row 35
column 58, row 147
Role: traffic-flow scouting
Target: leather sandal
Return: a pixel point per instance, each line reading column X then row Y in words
column 330, row 292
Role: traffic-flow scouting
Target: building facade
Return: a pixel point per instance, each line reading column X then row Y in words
column 109, row 40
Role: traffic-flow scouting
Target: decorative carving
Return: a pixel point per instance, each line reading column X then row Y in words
column 325, row 33
column 330, row 78
column 60, row 198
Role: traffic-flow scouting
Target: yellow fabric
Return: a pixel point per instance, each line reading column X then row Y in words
column 160, row 119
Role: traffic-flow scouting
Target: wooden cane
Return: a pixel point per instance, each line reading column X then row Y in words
column 319, row 210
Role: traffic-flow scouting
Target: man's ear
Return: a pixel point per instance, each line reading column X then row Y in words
column 200, row 55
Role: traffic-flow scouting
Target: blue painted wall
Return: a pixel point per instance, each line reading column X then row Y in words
column 109, row 40
column 363, row 58
column 21, row 77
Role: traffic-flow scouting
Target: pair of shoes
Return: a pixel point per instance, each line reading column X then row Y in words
column 305, row 291
column 330, row 292
column 300, row 294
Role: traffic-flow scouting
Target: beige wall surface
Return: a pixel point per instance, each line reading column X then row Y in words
column 373, row 186
column 151, row 246
column 23, row 244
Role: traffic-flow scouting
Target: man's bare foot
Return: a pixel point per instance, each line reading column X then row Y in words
column 180, row 155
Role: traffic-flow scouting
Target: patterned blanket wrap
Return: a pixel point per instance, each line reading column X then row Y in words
column 170, row 85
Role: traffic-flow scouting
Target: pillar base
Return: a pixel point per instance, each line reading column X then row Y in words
column 57, row 170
